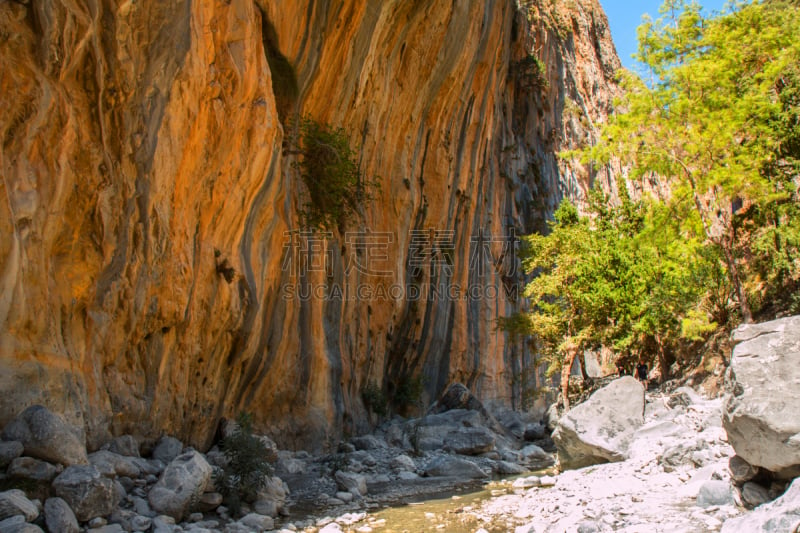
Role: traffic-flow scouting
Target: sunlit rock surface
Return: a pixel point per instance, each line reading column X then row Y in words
column 147, row 197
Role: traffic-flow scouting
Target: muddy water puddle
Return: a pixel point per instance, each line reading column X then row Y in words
column 453, row 511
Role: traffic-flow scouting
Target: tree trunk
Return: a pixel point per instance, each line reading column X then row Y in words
column 663, row 366
column 582, row 361
column 565, row 371
column 733, row 272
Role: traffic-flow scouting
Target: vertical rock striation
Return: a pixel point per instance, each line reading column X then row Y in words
column 143, row 236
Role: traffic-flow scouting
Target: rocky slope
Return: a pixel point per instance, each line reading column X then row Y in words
column 147, row 200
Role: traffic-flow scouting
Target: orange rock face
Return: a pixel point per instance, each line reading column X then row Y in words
column 147, row 237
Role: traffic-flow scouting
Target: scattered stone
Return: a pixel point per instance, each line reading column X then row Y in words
column 15, row 502
column 527, row 482
column 761, row 388
column 125, row 445
column 535, row 457
column 779, row 516
column 714, row 493
column 45, row 435
column 88, row 493
column 346, row 447
column 10, row 451
column 163, row 524
column 403, row 462
column 210, row 501
column 470, row 441
column 17, row 524
column 407, row 476
column 166, row 449
column 368, row 442
column 290, row 466
column 600, row 429
column 266, row 507
column 183, row 481
column 111, row 464
column 274, row 489
column 504, row 468
column 97, row 522
column 30, row 468
column 354, row 483
column 457, row 396
column 108, row 528
column 741, row 470
column 754, row 494
column 345, row 497
column 141, row 523
column 684, row 397
column 547, row 481
column 59, row 517
column 450, row 466
column 257, row 522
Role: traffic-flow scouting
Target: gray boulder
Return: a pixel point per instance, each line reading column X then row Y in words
column 761, row 389
column 683, row 396
column 470, row 441
column 535, row 457
column 349, row 481
column 403, row 463
column 59, row 517
column 167, row 449
column 17, row 524
column 45, row 435
column 504, row 468
column 14, row 502
column 450, row 466
column 779, row 516
column 600, row 429
column 368, row 442
column 10, row 451
column 30, row 468
column 741, row 470
column 754, row 494
column 111, row 464
column 182, row 483
column 86, row 491
column 126, row 445
column 257, row 522
column 714, row 493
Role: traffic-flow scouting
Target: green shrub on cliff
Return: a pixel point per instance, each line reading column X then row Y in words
column 329, row 168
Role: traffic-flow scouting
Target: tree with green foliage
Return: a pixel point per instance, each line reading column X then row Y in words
column 248, row 462
column 625, row 276
column 719, row 121
column 329, row 168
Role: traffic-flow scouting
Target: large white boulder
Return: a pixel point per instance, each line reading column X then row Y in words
column 182, row 483
column 601, row 429
column 762, row 406
column 46, row 435
column 86, row 491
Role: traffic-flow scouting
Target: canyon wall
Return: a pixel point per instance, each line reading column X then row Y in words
column 154, row 275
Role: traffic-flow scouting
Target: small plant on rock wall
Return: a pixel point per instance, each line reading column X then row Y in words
column 329, row 168
column 531, row 73
column 374, row 399
column 248, row 463
column 409, row 391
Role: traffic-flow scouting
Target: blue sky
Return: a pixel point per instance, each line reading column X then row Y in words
column 624, row 16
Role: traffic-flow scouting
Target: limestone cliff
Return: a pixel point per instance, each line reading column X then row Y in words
column 151, row 212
